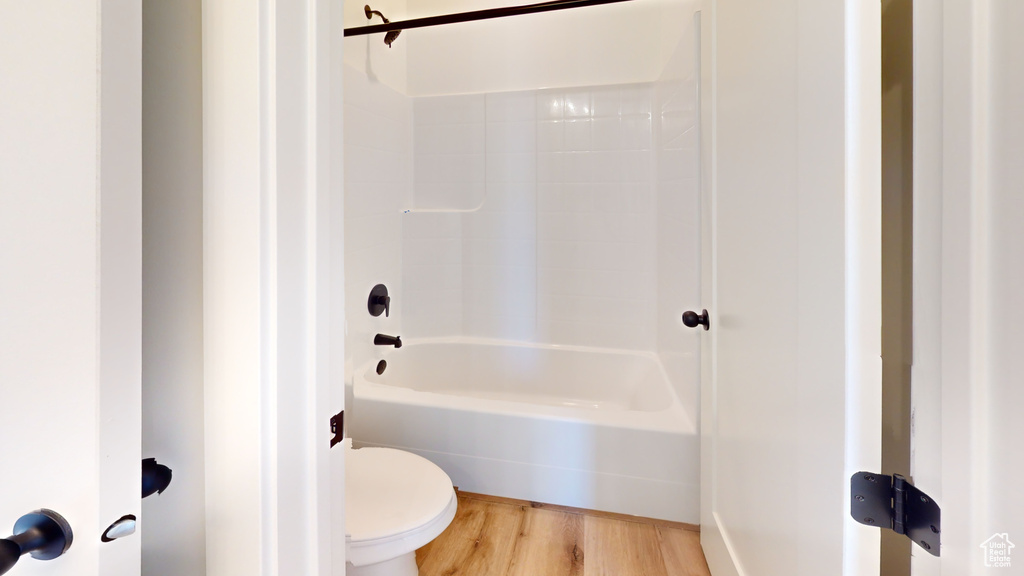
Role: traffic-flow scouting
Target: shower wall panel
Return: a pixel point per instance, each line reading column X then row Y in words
column 448, row 167
column 678, row 219
column 448, row 180
column 432, row 274
column 562, row 245
column 499, row 240
column 378, row 168
column 595, row 217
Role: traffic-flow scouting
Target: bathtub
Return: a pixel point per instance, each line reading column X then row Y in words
column 582, row 427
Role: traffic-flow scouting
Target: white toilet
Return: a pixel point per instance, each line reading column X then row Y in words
column 395, row 502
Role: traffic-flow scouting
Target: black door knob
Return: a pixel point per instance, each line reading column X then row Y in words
column 155, row 477
column 44, row 534
column 692, row 319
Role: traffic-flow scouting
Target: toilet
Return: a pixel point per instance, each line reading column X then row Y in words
column 395, row 502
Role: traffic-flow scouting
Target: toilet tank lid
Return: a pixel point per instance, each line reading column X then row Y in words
column 389, row 492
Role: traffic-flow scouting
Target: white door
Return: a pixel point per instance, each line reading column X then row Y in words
column 791, row 370
column 70, row 275
column 969, row 282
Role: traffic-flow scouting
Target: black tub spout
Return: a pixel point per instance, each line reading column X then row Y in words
column 385, row 340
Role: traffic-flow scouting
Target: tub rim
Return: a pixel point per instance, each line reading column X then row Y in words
column 672, row 419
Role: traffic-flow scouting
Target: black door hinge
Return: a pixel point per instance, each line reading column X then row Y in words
column 337, row 428
column 893, row 503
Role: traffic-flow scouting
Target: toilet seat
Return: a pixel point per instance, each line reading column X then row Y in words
column 395, row 502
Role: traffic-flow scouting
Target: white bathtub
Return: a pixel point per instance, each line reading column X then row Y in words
column 590, row 428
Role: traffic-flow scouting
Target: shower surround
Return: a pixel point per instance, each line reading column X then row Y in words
column 564, row 219
column 555, row 223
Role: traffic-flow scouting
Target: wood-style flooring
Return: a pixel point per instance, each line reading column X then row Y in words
column 499, row 537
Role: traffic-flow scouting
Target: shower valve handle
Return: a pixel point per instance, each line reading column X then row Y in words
column 386, row 302
column 379, row 301
column 692, row 319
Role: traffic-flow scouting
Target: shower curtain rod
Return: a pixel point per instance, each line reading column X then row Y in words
column 476, row 15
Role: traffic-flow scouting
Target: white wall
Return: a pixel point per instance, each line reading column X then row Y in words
column 369, row 54
column 597, row 45
column 174, row 535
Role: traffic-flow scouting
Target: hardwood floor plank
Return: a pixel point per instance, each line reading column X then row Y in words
column 497, row 538
column 617, row 548
column 588, row 512
column 479, row 541
column 550, row 543
column 682, row 552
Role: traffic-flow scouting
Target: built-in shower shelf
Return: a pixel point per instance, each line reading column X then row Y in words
column 442, row 210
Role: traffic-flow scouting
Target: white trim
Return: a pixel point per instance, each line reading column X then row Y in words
column 269, row 273
column 315, row 307
column 862, row 548
column 926, row 364
column 119, row 267
column 960, row 157
column 332, row 178
column 268, row 288
column 961, row 241
column 717, row 549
